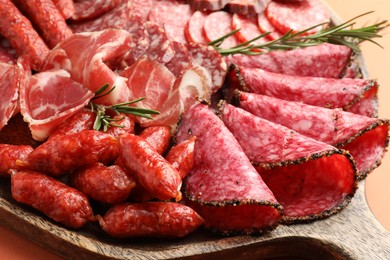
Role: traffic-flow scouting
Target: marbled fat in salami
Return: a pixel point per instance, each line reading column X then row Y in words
column 297, row 15
column 324, row 60
column 310, row 179
column 159, row 219
column 364, row 137
column 223, row 187
column 342, row 93
column 173, row 17
column 181, row 60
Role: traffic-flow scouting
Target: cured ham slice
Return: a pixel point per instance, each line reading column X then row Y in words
column 297, row 15
column 223, row 187
column 324, row 60
column 9, row 80
column 310, row 179
column 152, row 80
column 173, row 17
column 364, row 137
column 83, row 56
column 355, row 95
column 49, row 98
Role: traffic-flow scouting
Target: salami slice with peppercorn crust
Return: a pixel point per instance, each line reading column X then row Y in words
column 365, row 138
column 355, row 95
column 310, row 179
column 223, row 187
column 324, row 60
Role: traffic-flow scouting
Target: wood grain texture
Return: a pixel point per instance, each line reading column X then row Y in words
column 354, row 233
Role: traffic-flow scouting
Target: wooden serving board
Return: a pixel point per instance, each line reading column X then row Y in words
column 354, row 233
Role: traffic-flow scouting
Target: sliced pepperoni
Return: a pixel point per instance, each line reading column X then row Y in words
column 248, row 28
column 50, row 98
column 49, row 21
column 364, row 137
column 324, row 60
column 194, row 29
column 160, row 219
column 173, row 17
column 223, row 187
column 89, row 9
column 300, row 171
column 297, row 15
column 324, row 92
column 266, row 27
column 218, row 24
column 18, row 30
column 247, row 6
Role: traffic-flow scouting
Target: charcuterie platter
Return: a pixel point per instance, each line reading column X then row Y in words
column 323, row 237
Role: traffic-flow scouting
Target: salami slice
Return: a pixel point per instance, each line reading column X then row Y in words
column 160, row 46
column 223, row 187
column 47, row 19
column 247, row 6
column 345, row 93
column 324, row 60
column 89, row 9
column 209, row 58
column 65, row 7
column 50, row 98
column 218, row 24
column 194, row 29
column 364, row 137
column 18, row 30
column 9, row 87
column 83, row 56
column 173, row 17
column 300, row 171
column 248, row 28
column 181, row 60
column 297, row 16
column 266, row 27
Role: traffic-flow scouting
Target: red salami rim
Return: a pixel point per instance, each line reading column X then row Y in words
column 371, row 85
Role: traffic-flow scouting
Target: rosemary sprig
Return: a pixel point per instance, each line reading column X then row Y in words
column 342, row 34
column 104, row 120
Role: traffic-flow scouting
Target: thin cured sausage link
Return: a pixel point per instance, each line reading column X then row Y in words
column 45, row 16
column 21, row 34
column 181, row 156
column 9, row 154
column 159, row 219
column 53, row 198
column 158, row 137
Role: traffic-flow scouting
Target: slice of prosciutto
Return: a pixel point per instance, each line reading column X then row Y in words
column 48, row 98
column 83, row 55
column 365, row 138
column 9, row 80
column 223, row 187
column 310, row 179
column 355, row 95
column 324, row 60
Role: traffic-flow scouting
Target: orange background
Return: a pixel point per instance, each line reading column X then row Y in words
column 14, row 247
